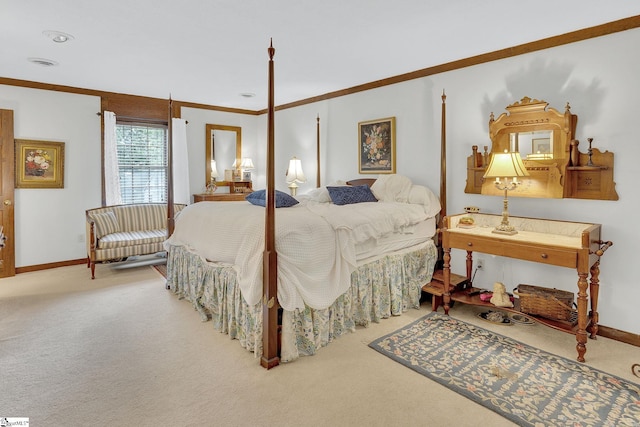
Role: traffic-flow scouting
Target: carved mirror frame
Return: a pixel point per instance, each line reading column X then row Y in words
column 561, row 171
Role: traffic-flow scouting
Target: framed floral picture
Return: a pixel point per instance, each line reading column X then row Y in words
column 377, row 146
column 39, row 164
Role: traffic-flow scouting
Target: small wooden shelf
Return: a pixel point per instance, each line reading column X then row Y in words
column 436, row 287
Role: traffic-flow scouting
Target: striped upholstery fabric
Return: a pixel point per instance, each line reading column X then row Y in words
column 127, row 230
column 106, row 223
column 129, row 238
column 142, row 217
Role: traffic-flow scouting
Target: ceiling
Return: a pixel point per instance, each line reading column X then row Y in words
column 212, row 51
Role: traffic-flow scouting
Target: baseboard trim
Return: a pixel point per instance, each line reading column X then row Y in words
column 618, row 335
column 47, row 266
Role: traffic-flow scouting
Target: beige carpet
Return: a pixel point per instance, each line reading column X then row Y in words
column 122, row 350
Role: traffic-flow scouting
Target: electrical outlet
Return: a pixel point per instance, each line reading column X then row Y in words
column 80, row 238
column 479, row 263
column 472, row 209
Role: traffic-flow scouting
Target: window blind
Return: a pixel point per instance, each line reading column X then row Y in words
column 142, row 162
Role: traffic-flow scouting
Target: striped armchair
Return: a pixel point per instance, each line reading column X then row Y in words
column 115, row 232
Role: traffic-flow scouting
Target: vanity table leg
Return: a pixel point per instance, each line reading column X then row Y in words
column 581, row 333
column 446, row 277
column 594, row 289
column 469, row 266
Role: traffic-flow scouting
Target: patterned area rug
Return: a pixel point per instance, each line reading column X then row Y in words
column 162, row 269
column 526, row 385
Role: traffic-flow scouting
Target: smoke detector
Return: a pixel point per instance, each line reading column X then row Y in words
column 42, row 61
column 58, row 36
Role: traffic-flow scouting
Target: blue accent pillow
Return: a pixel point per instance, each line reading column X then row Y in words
column 259, row 198
column 346, row 195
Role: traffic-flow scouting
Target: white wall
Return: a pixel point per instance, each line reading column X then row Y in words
column 49, row 223
column 598, row 77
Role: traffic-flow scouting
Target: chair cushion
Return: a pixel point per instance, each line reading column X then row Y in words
column 106, row 223
column 132, row 238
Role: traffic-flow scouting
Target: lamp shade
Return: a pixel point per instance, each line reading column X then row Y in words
column 294, row 172
column 214, row 170
column 247, row 163
column 506, row 165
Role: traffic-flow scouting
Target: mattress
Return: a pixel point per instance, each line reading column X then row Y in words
column 372, row 248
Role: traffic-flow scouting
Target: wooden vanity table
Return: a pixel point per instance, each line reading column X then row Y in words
column 560, row 243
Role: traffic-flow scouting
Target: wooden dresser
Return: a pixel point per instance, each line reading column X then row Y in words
column 560, row 243
column 238, row 190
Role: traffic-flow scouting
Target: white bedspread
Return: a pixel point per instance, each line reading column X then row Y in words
column 315, row 243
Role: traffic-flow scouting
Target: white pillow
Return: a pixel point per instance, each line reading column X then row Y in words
column 421, row 195
column 321, row 194
column 392, row 188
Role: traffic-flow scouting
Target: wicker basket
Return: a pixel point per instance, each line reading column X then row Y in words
column 548, row 303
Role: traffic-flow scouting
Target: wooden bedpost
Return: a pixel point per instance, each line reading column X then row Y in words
column 443, row 181
column 270, row 334
column 443, row 162
column 318, row 151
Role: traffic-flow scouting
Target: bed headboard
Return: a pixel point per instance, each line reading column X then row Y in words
column 362, row 181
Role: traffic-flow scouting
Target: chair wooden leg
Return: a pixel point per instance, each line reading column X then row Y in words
column 93, row 270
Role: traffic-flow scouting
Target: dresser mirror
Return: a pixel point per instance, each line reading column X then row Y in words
column 534, row 145
column 224, row 145
column 545, row 139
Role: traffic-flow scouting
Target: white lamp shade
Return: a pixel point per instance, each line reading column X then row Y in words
column 294, row 172
column 506, row 165
column 214, row 169
column 247, row 163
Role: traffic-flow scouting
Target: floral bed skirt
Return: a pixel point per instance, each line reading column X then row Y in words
column 380, row 287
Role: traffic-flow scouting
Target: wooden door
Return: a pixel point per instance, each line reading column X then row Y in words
column 7, row 177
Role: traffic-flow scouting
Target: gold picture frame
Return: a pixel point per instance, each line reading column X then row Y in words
column 377, row 146
column 39, row 164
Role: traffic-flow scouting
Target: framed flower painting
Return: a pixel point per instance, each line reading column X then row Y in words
column 377, row 146
column 39, row 164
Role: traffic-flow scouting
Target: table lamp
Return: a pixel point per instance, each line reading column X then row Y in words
column 246, row 166
column 506, row 168
column 211, row 186
column 294, row 175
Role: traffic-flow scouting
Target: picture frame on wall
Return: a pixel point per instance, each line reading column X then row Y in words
column 39, row 164
column 377, row 146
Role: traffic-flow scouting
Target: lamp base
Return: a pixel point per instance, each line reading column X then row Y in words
column 293, row 188
column 505, row 229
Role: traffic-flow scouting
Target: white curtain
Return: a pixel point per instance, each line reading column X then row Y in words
column 111, row 171
column 181, row 186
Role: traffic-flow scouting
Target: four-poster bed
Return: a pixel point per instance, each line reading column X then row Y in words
column 324, row 268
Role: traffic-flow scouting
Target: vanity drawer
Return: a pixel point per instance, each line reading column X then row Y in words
column 474, row 243
column 527, row 252
column 544, row 255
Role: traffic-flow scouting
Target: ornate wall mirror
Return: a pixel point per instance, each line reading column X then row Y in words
column 224, row 145
column 545, row 139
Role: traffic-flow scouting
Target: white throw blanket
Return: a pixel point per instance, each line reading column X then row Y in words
column 315, row 243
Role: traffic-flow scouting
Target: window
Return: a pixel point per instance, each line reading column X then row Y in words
column 142, row 162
